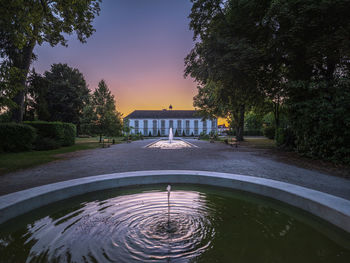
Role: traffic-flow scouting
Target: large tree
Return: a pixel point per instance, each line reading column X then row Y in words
column 107, row 118
column 225, row 57
column 67, row 93
column 26, row 23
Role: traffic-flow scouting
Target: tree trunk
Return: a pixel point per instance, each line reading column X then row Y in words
column 276, row 113
column 240, row 126
column 23, row 63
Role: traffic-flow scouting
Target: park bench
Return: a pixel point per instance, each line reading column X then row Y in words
column 232, row 142
column 212, row 139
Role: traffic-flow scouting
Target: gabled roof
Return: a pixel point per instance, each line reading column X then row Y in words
column 164, row 114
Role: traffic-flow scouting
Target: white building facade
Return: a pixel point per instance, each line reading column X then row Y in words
column 159, row 122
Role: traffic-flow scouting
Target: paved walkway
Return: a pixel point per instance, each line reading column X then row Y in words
column 207, row 157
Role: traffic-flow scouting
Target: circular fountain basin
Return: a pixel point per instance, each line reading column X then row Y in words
column 199, row 224
column 110, row 225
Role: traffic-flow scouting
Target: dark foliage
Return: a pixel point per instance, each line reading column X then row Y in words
column 16, row 137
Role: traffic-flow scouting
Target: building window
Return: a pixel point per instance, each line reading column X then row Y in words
column 213, row 125
column 179, row 127
column 171, row 124
column 155, row 128
column 205, row 126
column 162, row 127
column 145, row 127
column 136, row 126
column 196, row 127
column 187, row 127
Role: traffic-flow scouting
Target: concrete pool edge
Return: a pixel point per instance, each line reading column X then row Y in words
column 335, row 210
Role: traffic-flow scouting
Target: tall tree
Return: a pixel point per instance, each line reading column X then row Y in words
column 26, row 23
column 108, row 119
column 67, row 93
column 36, row 99
column 225, row 55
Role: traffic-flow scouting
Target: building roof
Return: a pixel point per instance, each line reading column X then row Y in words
column 163, row 114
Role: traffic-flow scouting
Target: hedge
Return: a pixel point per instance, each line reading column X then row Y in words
column 69, row 132
column 52, row 135
column 16, row 137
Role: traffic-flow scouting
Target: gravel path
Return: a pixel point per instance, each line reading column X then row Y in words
column 207, row 157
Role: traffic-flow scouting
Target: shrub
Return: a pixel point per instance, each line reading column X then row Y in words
column 285, row 138
column 62, row 133
column 183, row 133
column 204, row 136
column 69, row 132
column 150, row 134
column 44, row 143
column 321, row 122
column 16, row 137
column 269, row 132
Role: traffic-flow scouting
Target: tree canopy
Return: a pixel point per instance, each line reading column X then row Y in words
column 293, row 54
column 26, row 23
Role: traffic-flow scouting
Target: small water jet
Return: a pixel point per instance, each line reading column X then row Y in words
column 170, row 143
column 171, row 136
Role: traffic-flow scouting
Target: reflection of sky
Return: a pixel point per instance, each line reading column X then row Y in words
column 138, row 48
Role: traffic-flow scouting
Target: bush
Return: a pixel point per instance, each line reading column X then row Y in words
column 44, row 144
column 269, row 132
column 70, row 131
column 62, row 133
column 16, row 137
column 285, row 138
column 321, row 122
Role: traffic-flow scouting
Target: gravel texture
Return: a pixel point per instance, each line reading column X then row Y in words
column 206, row 157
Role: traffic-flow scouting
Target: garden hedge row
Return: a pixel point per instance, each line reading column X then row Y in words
column 52, row 135
column 16, row 137
column 38, row 135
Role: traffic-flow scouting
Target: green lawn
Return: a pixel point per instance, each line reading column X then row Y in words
column 260, row 143
column 10, row 162
column 254, row 142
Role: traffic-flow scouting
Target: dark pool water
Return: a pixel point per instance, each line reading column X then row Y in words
column 206, row 225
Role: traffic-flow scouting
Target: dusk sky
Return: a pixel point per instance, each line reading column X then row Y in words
column 138, row 48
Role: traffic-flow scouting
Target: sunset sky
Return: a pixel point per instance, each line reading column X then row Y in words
column 138, row 49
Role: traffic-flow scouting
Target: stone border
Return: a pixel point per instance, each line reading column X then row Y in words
column 333, row 209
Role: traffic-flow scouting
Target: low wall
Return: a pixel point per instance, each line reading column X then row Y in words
column 333, row 209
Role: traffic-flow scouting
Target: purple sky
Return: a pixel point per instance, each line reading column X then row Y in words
column 138, row 49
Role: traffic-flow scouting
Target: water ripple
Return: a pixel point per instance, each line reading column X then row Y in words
column 129, row 228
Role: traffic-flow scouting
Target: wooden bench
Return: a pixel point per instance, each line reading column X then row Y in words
column 232, row 142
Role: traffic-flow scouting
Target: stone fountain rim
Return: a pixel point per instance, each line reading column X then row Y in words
column 335, row 210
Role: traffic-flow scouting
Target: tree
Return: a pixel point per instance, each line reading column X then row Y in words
column 36, row 100
column 26, row 23
column 224, row 60
column 108, row 120
column 67, row 93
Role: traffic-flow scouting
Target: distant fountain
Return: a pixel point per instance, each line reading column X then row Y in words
column 171, row 143
column 171, row 136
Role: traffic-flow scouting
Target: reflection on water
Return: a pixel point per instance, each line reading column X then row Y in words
column 205, row 226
